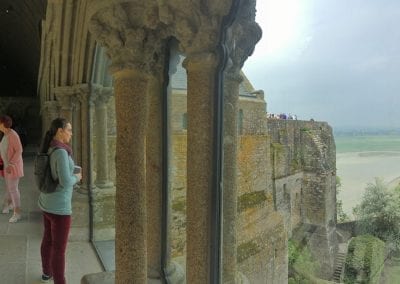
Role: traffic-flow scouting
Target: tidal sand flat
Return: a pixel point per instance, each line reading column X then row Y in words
column 357, row 169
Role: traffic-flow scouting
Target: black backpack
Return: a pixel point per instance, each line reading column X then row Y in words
column 43, row 177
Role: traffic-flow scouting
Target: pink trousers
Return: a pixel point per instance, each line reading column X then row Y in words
column 12, row 192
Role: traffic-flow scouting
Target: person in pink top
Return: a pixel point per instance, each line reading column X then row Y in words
column 11, row 154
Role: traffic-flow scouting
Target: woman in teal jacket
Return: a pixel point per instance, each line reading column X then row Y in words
column 56, row 206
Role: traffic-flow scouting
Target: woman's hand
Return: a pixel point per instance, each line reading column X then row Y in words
column 9, row 169
column 79, row 176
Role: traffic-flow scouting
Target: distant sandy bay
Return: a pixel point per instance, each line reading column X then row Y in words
column 357, row 169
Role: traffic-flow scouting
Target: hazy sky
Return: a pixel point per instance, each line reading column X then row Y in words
column 331, row 60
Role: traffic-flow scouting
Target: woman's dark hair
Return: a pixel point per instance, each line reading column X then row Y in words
column 55, row 125
column 6, row 120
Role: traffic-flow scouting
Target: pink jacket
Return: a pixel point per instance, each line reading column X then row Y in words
column 14, row 156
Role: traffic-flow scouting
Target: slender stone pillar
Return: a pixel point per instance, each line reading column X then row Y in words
column 130, row 87
column 229, row 256
column 84, row 96
column 154, row 176
column 200, row 105
column 77, row 128
column 102, row 169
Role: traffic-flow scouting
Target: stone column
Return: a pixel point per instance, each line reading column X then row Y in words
column 154, row 175
column 102, row 169
column 229, row 252
column 130, row 46
column 201, row 70
column 241, row 38
column 103, row 193
column 84, row 96
column 77, row 128
column 130, row 86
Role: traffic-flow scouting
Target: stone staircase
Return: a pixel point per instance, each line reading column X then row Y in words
column 337, row 273
column 321, row 148
column 340, row 263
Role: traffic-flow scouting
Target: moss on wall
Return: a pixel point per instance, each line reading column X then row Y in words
column 246, row 250
column 251, row 200
column 179, row 205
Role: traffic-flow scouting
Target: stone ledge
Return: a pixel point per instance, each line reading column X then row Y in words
column 99, row 278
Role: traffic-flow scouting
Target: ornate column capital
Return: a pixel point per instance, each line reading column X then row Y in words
column 64, row 96
column 101, row 95
column 51, row 106
column 196, row 24
column 82, row 93
column 122, row 30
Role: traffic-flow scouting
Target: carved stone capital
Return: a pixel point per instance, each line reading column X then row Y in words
column 64, row 96
column 82, row 93
column 102, row 95
column 129, row 43
column 196, row 24
column 51, row 106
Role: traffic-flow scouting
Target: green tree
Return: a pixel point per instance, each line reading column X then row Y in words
column 379, row 212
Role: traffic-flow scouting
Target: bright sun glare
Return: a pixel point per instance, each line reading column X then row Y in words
column 280, row 21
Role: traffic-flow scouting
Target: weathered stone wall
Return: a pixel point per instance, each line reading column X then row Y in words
column 178, row 111
column 262, row 249
column 289, row 200
column 261, row 235
column 304, row 161
column 177, row 189
column 251, row 120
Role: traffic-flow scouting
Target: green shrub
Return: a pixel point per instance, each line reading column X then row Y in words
column 364, row 261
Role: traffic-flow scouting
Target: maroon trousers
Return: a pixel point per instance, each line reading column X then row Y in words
column 54, row 244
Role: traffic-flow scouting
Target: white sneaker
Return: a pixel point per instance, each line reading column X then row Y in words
column 7, row 209
column 15, row 218
column 46, row 278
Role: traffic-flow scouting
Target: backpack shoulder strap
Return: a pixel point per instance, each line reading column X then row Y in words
column 51, row 150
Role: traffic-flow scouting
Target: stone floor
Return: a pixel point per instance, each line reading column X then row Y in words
column 20, row 242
